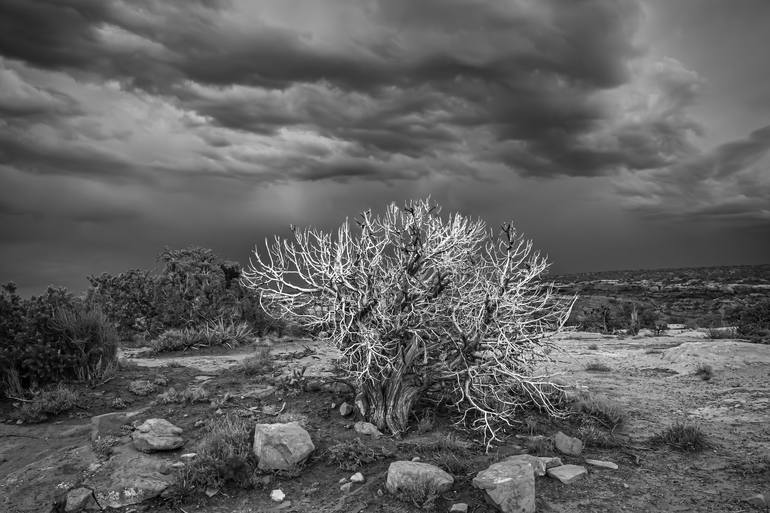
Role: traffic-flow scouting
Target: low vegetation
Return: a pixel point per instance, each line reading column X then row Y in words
column 682, row 436
column 46, row 403
column 351, row 455
column 704, row 371
column 597, row 367
column 258, row 363
column 600, row 409
column 218, row 333
column 224, row 456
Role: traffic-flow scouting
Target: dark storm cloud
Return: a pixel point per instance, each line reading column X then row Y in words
column 731, row 182
column 410, row 79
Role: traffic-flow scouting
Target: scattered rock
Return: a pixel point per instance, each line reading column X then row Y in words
column 416, row 458
column 367, row 428
column 277, row 495
column 538, row 465
column 567, row 444
column 459, row 507
column 346, row 487
column 281, row 446
column 199, row 423
column 346, row 409
column 130, row 477
column 551, row 462
column 157, row 435
column 361, row 404
column 602, row 464
column 410, row 475
column 210, row 492
column 343, row 480
column 188, row 456
column 358, row 477
column 567, row 473
column 758, row 500
column 260, row 393
column 81, row 499
column 510, row 485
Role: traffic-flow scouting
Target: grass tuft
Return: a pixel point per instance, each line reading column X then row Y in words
column 351, row 455
column 47, row 403
column 600, row 409
column 704, row 371
column 597, row 367
column 682, row 437
column 259, row 363
column 216, row 333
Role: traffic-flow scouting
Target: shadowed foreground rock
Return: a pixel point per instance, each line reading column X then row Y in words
column 281, row 446
column 509, row 485
column 412, row 475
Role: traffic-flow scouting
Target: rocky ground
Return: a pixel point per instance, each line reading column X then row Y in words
column 60, row 465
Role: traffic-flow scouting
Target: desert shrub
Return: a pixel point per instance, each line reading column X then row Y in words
column 52, row 338
column 682, row 436
column 593, row 347
column 49, row 402
column 704, row 371
column 258, row 363
column 214, row 333
column 597, row 367
column 600, row 409
column 413, row 300
column 142, row 387
column 353, row 454
column 224, row 456
column 421, row 494
column 191, row 394
column 754, row 322
column 594, row 435
column 721, row 333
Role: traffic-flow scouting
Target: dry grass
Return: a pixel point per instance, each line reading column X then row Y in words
column 682, row 436
column 217, row 333
column 47, row 403
column 353, row 454
column 191, row 394
column 600, row 409
column 704, row 371
column 258, row 363
column 597, row 367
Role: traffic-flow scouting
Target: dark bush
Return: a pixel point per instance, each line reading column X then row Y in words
column 754, row 322
column 52, row 338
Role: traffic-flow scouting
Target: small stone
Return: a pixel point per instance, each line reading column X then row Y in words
column 178, row 464
column 358, row 477
column 567, row 444
column 380, row 493
column 210, row 492
column 416, row 458
column 157, row 435
column 80, row 499
column 410, row 475
column 758, row 500
column 277, row 495
column 459, row 507
column 567, row 473
column 551, row 462
column 343, row 480
column 219, row 411
column 199, row 423
column 346, row 487
column 367, row 428
column 346, row 409
column 188, row 456
column 602, row 464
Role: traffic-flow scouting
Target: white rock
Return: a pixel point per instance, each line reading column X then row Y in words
column 277, row 495
column 346, row 487
column 157, row 435
column 358, row 477
column 602, row 464
column 567, row 473
column 346, row 409
column 188, row 456
column 367, row 428
column 281, row 446
column 510, row 485
column 411, row 475
column 459, row 507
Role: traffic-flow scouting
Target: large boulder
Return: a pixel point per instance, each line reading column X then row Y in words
column 130, row 477
column 157, row 435
column 281, row 446
column 509, row 485
column 414, row 475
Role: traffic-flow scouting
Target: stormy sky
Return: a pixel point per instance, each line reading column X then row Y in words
column 616, row 133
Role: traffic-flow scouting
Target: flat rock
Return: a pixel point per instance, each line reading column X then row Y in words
column 358, row 477
column 281, row 446
column 567, row 473
column 130, row 477
column 459, row 507
column 367, row 428
column 567, row 444
column 410, row 475
column 39, row 485
column 80, row 499
column 346, row 409
column 260, row 393
column 509, row 485
column 157, row 435
column 602, row 464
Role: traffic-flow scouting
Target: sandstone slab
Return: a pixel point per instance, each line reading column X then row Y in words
column 414, row 475
column 567, row 444
column 567, row 473
column 602, row 464
column 509, row 485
